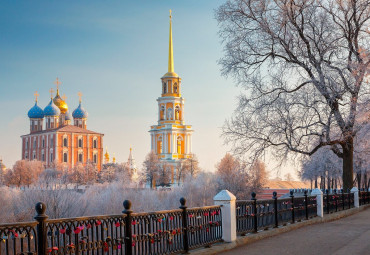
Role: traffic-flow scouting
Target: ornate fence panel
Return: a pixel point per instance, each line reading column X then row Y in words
column 86, row 235
column 244, row 216
column 285, row 208
column 18, row 238
column 337, row 201
column 299, row 208
column 157, row 232
column 265, row 214
column 249, row 220
column 364, row 197
column 311, row 206
column 204, row 226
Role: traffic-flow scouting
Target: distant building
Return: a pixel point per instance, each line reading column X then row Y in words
column 171, row 138
column 2, row 166
column 132, row 166
column 54, row 138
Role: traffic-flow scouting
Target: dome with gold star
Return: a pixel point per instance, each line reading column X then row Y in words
column 60, row 103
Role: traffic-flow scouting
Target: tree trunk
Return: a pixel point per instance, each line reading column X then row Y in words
column 348, row 164
column 359, row 175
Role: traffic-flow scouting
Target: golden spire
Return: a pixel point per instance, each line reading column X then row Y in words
column 171, row 68
column 57, row 82
column 79, row 97
column 36, row 96
column 51, row 93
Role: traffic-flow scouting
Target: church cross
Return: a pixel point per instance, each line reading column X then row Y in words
column 79, row 96
column 57, row 82
column 51, row 92
column 36, row 95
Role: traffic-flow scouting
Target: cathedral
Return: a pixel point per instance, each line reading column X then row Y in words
column 171, row 137
column 56, row 136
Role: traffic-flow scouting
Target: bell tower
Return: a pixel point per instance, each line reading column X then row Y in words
column 171, row 137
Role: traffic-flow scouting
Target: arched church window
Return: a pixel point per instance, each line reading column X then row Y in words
column 65, row 157
column 65, row 142
column 95, row 144
column 162, row 112
column 80, row 144
column 80, row 157
column 95, row 158
column 175, row 88
column 177, row 113
column 169, row 114
column 164, row 88
column 160, row 145
column 179, row 141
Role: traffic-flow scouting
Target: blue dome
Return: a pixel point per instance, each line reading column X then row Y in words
column 79, row 113
column 51, row 109
column 68, row 116
column 36, row 112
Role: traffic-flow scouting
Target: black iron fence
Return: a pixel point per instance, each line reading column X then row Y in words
column 19, row 238
column 337, row 201
column 163, row 232
column 253, row 215
column 364, row 197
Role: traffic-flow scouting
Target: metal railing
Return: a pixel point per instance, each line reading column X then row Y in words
column 18, row 238
column 253, row 215
column 364, row 197
column 162, row 232
column 337, row 201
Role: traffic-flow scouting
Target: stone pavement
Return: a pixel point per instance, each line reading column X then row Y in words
column 350, row 236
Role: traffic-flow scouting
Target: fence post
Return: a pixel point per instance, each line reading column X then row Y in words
column 228, row 211
column 254, row 199
column 349, row 198
column 292, row 197
column 354, row 190
column 306, row 203
column 342, row 199
column 41, row 218
column 327, row 202
column 275, row 209
column 128, row 229
column 319, row 202
column 184, row 224
column 336, row 200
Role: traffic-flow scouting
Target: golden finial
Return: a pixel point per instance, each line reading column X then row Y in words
column 79, row 97
column 171, row 68
column 64, row 97
column 57, row 82
column 51, row 92
column 36, row 96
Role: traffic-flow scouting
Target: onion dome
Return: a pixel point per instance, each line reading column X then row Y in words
column 79, row 113
column 68, row 116
column 36, row 112
column 51, row 109
column 60, row 103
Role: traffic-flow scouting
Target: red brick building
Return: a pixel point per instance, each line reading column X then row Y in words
column 54, row 139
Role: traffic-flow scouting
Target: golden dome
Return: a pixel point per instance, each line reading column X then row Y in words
column 62, row 105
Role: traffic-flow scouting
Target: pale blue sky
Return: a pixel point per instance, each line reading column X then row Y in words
column 114, row 52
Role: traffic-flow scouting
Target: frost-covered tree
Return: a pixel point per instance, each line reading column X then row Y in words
column 303, row 64
column 24, row 173
column 187, row 167
column 233, row 176
column 324, row 165
column 151, row 167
